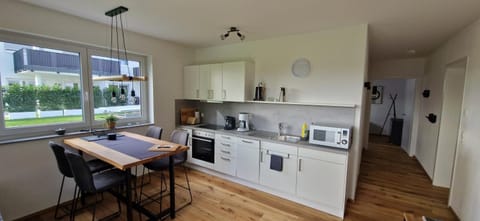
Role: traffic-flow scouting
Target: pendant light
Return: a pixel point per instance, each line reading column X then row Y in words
column 116, row 23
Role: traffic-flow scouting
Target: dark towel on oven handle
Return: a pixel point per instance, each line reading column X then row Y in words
column 276, row 162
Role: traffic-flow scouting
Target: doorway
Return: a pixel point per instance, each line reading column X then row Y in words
column 453, row 88
column 383, row 111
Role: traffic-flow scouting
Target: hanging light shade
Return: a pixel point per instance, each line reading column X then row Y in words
column 116, row 23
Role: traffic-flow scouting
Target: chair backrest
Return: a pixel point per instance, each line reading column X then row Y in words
column 155, row 132
column 81, row 172
column 180, row 137
column 62, row 162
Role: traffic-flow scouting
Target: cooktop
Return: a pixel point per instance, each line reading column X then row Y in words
column 211, row 127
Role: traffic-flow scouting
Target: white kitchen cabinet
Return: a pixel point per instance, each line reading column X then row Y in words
column 204, row 81
column 248, row 159
column 232, row 81
column 225, row 154
column 189, row 144
column 237, row 82
column 216, row 78
column 284, row 180
column 191, row 82
column 321, row 178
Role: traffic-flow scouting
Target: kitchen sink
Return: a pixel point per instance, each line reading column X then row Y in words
column 288, row 138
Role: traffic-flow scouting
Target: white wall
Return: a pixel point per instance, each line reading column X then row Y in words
column 30, row 179
column 464, row 193
column 409, row 110
column 338, row 65
column 449, row 125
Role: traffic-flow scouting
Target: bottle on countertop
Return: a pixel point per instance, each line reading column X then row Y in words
column 304, row 131
column 281, row 98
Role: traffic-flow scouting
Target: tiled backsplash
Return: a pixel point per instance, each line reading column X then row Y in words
column 267, row 116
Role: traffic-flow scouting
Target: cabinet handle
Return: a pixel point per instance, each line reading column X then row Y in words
column 279, row 154
column 224, row 94
column 224, row 151
column 210, row 94
column 225, row 137
column 245, row 141
column 226, row 144
column 198, row 93
column 224, row 158
column 299, row 165
column 261, row 156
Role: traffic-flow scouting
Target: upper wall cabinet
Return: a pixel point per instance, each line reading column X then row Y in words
column 191, row 82
column 232, row 81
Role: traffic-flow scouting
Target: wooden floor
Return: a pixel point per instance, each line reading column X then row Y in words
column 390, row 183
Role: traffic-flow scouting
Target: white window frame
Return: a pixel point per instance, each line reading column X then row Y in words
column 88, row 122
column 143, row 88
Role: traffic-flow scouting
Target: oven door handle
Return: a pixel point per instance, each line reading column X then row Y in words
column 196, row 138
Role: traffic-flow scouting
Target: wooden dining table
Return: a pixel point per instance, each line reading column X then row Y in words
column 127, row 151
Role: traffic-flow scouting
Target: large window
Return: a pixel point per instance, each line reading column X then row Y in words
column 48, row 84
column 40, row 86
column 121, row 98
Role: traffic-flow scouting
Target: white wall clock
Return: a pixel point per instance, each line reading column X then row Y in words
column 301, row 68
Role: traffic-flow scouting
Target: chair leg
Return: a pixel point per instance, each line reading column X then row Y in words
column 74, row 203
column 188, row 183
column 94, row 207
column 59, row 197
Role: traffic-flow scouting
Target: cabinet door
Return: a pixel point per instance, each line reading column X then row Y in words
column 248, row 159
column 321, row 181
column 233, row 81
column 191, row 82
column 204, row 82
column 189, row 144
column 225, row 164
column 284, row 180
column 216, row 77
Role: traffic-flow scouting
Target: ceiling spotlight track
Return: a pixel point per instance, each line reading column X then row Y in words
column 233, row 29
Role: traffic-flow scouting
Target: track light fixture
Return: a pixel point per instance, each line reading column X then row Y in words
column 233, row 29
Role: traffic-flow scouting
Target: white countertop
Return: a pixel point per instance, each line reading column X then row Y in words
column 267, row 136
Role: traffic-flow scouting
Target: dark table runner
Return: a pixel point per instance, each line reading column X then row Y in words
column 130, row 146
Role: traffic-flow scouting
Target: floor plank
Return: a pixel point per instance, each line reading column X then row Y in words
column 390, row 183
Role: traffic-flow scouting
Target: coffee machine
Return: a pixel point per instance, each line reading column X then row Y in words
column 243, row 122
column 229, row 123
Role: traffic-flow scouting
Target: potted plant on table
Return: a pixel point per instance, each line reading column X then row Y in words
column 111, row 121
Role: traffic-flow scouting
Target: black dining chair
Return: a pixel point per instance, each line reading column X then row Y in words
column 90, row 183
column 154, row 132
column 179, row 137
column 94, row 166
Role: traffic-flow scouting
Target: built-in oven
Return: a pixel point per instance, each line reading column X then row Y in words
column 203, row 148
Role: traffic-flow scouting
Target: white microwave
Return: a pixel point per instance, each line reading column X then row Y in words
column 339, row 137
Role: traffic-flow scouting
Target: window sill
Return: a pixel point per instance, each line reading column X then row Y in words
column 74, row 133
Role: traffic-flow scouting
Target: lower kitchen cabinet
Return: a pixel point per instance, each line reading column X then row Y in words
column 248, row 159
column 321, row 178
column 225, row 154
column 285, row 179
column 225, row 164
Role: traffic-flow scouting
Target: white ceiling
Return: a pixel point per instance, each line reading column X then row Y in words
column 395, row 25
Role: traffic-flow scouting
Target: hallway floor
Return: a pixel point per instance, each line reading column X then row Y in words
column 391, row 183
